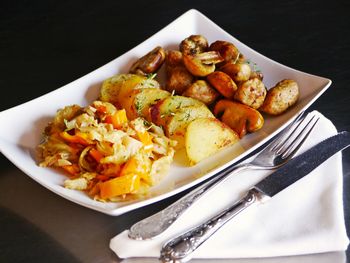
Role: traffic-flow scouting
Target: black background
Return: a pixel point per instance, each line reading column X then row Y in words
column 47, row 44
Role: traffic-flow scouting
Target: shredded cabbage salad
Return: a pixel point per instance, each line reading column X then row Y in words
column 105, row 154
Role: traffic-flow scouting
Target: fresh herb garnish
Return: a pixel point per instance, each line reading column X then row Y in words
column 151, row 75
column 253, row 65
column 138, row 106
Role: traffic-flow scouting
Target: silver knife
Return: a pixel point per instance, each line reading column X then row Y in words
column 180, row 248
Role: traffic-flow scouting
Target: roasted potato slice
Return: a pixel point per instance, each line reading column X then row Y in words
column 205, row 137
column 165, row 108
column 194, row 44
column 223, row 84
column 176, row 125
column 239, row 117
column 237, row 71
column 149, row 63
column 139, row 101
column 251, row 93
column 227, row 50
column 116, row 88
column 281, row 97
column 201, row 90
column 202, row 64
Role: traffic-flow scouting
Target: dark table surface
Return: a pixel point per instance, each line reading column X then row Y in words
column 46, row 44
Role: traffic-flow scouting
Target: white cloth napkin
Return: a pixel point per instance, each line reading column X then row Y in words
column 305, row 218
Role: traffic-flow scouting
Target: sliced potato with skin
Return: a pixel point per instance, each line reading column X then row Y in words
column 139, row 101
column 116, row 88
column 281, row 97
column 222, row 83
column 165, row 107
column 239, row 117
column 176, row 125
column 206, row 136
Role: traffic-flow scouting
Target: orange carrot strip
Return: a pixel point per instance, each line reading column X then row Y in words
column 111, row 170
column 130, row 167
column 79, row 137
column 118, row 119
column 108, row 119
column 146, row 139
column 101, row 108
column 119, row 186
column 72, row 169
column 102, row 177
column 96, row 154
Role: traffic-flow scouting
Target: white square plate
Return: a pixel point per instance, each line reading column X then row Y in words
column 22, row 126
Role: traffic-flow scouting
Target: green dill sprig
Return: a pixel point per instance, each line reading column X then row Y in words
column 151, row 75
column 254, row 66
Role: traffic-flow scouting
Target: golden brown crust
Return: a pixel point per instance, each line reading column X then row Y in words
column 237, row 71
column 201, row 90
column 179, row 79
column 173, row 58
column 239, row 117
column 149, row 63
column 202, row 64
column 227, row 50
column 251, row 92
column 194, row 44
column 282, row 96
column 222, row 83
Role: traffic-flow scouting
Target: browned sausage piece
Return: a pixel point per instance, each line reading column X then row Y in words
column 173, row 58
column 201, row 90
column 281, row 97
column 178, row 78
column 251, row 92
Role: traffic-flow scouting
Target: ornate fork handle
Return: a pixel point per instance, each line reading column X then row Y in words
column 180, row 248
column 157, row 223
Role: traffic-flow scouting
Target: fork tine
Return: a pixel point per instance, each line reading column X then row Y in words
column 281, row 138
column 296, row 143
column 282, row 143
column 288, row 140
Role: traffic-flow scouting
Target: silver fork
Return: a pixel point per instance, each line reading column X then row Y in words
column 275, row 154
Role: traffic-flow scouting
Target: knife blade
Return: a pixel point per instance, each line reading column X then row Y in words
column 180, row 248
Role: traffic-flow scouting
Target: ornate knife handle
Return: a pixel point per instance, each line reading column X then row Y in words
column 159, row 222
column 180, row 248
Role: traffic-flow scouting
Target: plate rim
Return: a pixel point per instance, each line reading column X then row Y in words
column 144, row 202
